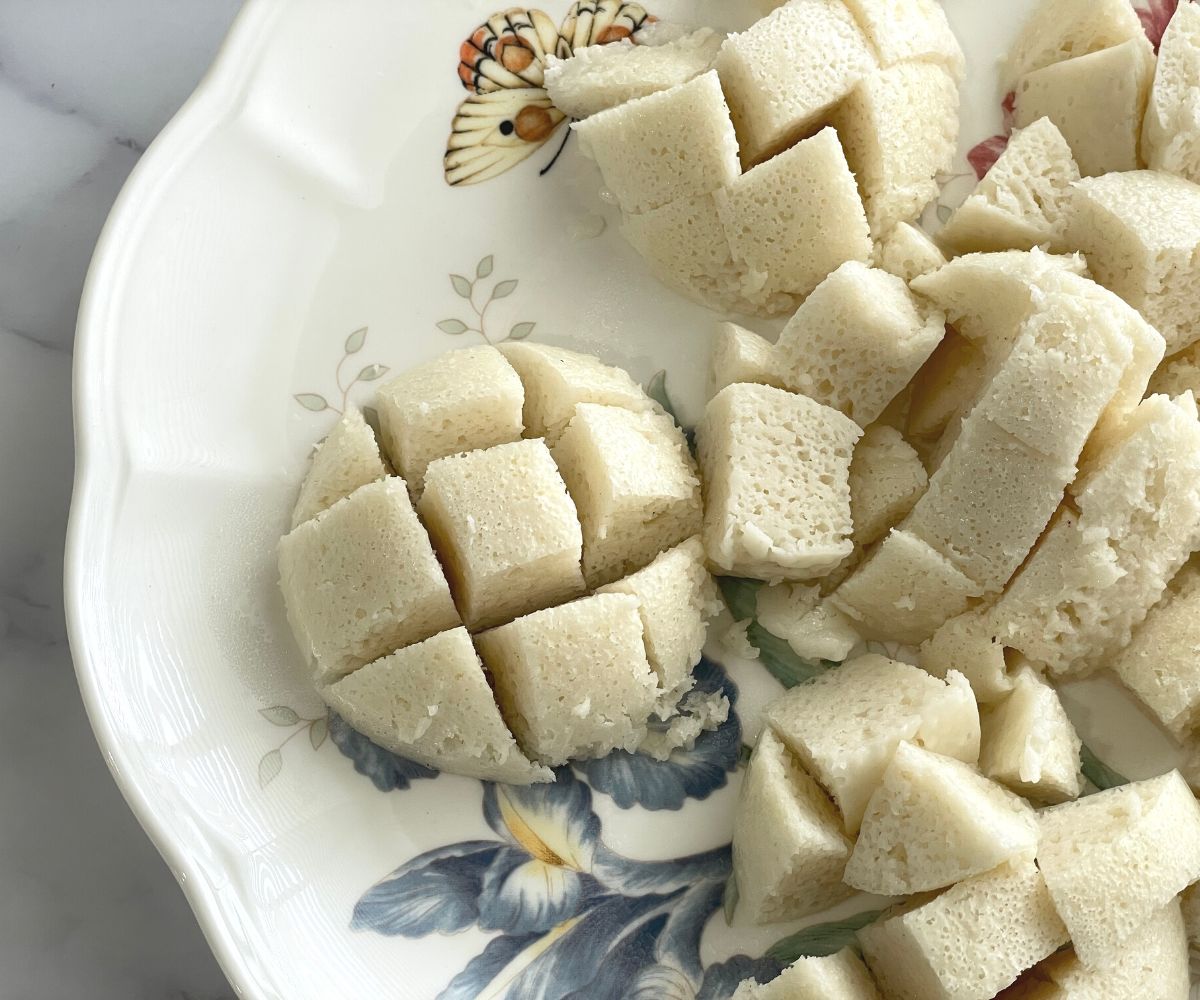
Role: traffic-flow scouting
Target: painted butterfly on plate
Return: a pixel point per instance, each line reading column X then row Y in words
column 508, row 114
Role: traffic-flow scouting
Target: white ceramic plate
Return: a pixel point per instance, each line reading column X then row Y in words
column 288, row 240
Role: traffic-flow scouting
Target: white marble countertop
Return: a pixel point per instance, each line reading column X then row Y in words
column 88, row 908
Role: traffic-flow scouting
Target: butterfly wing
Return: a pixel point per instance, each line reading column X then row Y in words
column 598, row 22
column 496, row 130
column 507, row 52
column 508, row 114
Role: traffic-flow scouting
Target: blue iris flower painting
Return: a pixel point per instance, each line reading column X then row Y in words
column 572, row 918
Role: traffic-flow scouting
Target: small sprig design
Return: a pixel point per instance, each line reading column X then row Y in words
column 317, row 403
column 271, row 763
column 471, row 289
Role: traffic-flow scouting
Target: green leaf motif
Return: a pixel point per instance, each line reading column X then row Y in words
column 269, row 767
column 452, row 326
column 484, row 268
column 820, row 940
column 729, row 900
column 741, row 597
column 520, row 331
column 1099, row 773
column 461, row 285
column 279, row 715
column 371, row 373
column 505, row 289
column 781, row 660
column 354, row 343
column 317, row 731
column 311, row 401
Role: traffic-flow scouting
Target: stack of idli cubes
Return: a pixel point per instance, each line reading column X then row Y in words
column 746, row 176
column 510, row 576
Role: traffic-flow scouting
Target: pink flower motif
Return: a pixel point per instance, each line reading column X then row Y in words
column 1155, row 17
column 984, row 155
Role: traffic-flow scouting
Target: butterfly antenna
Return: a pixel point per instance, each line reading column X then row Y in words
column 561, row 146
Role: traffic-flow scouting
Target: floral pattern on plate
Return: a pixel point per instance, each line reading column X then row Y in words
column 632, row 779
column 575, row 918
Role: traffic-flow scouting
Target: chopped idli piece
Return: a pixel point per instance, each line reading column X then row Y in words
column 1023, row 200
column 987, row 297
column 1096, row 101
column 904, row 591
column 988, row 502
column 899, row 128
column 1140, row 232
column 573, row 681
column 1171, row 131
column 346, row 602
column 886, row 481
column 597, row 77
column 969, row 942
column 934, row 821
column 1161, row 665
column 634, row 484
column 784, row 73
column 947, row 386
column 907, row 252
column 1031, row 294
column 1153, row 963
column 556, row 380
column 736, row 641
column 785, row 603
column 1058, row 379
column 431, row 703
column 506, row 530
column 966, row 644
column 835, row 578
column 1147, row 350
column 1029, row 744
column 678, row 143
column 347, row 459
column 739, row 356
column 684, row 246
column 857, row 341
column 461, row 401
column 776, row 478
column 1190, row 902
column 840, row 976
column 676, row 598
column 792, row 220
column 1113, row 859
column 696, row 712
column 933, row 453
column 909, row 31
column 1064, row 29
column 845, row 726
column 1097, row 573
column 1178, row 374
column 814, row 628
column 1065, row 577
column 664, row 32
column 789, row 851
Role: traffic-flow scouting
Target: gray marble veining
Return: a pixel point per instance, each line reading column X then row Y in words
column 88, row 909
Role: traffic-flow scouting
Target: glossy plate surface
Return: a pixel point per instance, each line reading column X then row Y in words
column 289, row 240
